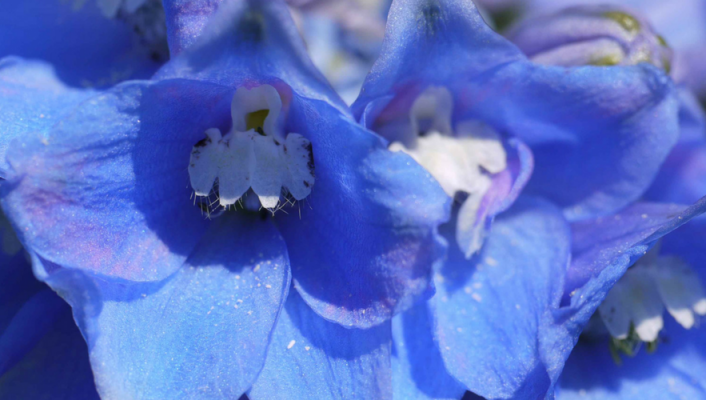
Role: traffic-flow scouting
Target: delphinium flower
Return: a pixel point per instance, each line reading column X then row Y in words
column 87, row 47
column 226, row 210
column 614, row 35
column 462, row 100
column 669, row 277
column 630, row 320
column 644, row 342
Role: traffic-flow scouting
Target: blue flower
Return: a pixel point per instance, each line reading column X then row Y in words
column 670, row 277
column 446, row 90
column 182, row 291
column 85, row 47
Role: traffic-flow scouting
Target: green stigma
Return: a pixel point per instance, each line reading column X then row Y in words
column 627, row 21
column 629, row 346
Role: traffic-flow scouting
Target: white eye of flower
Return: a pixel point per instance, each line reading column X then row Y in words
column 459, row 160
column 253, row 155
column 641, row 295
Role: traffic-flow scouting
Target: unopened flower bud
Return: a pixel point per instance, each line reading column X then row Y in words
column 591, row 35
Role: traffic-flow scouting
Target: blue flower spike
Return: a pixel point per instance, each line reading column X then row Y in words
column 173, row 214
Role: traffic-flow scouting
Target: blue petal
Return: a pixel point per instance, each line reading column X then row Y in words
column 248, row 41
column 200, row 334
column 493, row 310
column 598, row 135
column 602, row 250
column 186, row 21
column 363, row 246
column 418, row 369
column 86, row 48
column 676, row 370
column 29, row 323
column 310, row 358
column 682, row 178
column 106, row 190
column 42, row 353
column 687, row 244
column 56, row 368
column 33, row 99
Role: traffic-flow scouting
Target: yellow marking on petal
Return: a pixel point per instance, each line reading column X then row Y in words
column 627, row 21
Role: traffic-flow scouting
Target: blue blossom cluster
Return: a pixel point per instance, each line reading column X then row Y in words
column 352, row 199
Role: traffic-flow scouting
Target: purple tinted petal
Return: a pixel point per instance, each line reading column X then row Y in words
column 107, row 190
column 201, row 333
column 32, row 100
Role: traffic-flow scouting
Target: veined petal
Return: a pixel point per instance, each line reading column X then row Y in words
column 32, row 100
column 201, row 333
column 363, row 246
column 493, row 310
column 310, row 357
column 419, row 372
column 107, row 189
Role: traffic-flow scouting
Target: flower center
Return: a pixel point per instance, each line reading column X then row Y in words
column 461, row 160
column 255, row 155
column 632, row 310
